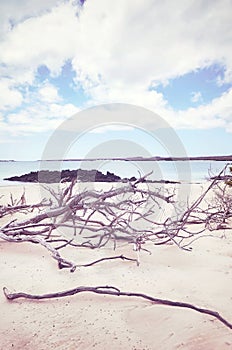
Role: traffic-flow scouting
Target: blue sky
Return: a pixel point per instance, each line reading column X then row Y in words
column 58, row 58
column 195, row 88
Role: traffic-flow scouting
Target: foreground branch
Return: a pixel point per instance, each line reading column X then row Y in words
column 110, row 290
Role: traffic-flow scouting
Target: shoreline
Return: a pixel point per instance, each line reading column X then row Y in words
column 155, row 158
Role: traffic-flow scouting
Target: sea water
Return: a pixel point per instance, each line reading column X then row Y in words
column 183, row 171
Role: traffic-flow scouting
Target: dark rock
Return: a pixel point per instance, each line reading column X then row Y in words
column 46, row 176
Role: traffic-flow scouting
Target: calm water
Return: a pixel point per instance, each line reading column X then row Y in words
column 193, row 171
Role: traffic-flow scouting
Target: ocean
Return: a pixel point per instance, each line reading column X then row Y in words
column 183, row 171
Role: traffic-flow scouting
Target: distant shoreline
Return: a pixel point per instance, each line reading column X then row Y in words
column 8, row 161
column 141, row 159
column 145, row 159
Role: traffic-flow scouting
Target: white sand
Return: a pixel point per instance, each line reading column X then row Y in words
column 89, row 321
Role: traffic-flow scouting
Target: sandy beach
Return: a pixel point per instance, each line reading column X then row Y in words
column 88, row 321
column 115, row 175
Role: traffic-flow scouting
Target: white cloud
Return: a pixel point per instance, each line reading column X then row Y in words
column 137, row 95
column 14, row 11
column 47, row 39
column 118, row 50
column 215, row 114
column 196, row 96
column 39, row 118
column 226, row 79
column 133, row 42
column 49, row 93
column 43, row 110
column 10, row 97
column 125, row 42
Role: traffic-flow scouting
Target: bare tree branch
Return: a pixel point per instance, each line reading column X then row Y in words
column 111, row 290
column 97, row 218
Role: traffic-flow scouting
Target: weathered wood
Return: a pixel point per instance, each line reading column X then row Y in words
column 114, row 291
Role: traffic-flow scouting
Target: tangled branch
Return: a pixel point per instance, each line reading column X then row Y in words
column 89, row 219
column 129, row 213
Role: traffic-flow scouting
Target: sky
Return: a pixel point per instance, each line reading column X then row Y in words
column 59, row 58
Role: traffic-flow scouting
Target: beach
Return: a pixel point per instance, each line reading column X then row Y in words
column 88, row 321
column 115, row 175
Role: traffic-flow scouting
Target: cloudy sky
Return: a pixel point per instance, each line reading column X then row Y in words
column 60, row 57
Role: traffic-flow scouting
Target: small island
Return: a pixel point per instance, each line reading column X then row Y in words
column 46, row 176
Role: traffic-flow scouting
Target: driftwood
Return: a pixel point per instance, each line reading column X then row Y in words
column 126, row 214
column 111, row 290
column 94, row 219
